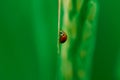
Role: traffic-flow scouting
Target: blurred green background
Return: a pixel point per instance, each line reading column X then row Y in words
column 108, row 41
column 28, row 38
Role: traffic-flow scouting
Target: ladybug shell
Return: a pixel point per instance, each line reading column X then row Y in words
column 63, row 37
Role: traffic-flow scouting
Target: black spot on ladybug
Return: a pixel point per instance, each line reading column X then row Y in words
column 63, row 37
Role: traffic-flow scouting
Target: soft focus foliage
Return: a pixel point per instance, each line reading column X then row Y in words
column 28, row 40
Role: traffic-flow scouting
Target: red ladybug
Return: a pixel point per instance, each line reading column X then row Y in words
column 63, row 37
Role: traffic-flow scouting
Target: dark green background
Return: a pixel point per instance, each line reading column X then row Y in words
column 28, row 38
column 108, row 40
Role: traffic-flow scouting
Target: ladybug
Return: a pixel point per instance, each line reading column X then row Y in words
column 63, row 37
